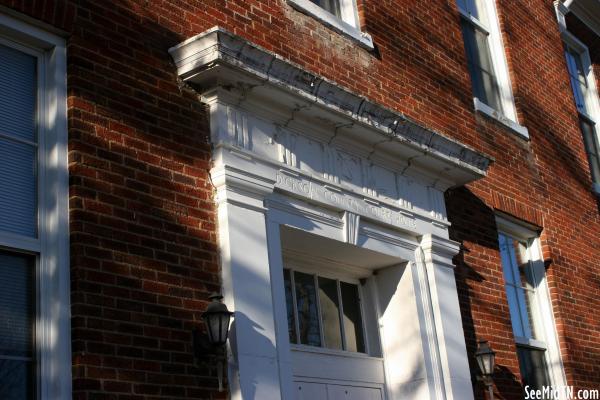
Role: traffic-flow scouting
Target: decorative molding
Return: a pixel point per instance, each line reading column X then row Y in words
column 439, row 251
column 302, row 261
column 395, row 240
column 218, row 57
column 295, row 207
column 340, row 199
column 437, row 204
column 351, row 226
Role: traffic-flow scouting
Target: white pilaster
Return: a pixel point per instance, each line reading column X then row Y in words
column 449, row 355
column 253, row 365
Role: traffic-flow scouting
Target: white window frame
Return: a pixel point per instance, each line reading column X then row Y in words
column 52, row 318
column 508, row 115
column 542, row 315
column 348, row 24
column 591, row 98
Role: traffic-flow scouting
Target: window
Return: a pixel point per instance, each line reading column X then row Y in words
column 340, row 15
column 487, row 62
column 323, row 312
column 524, row 281
column 34, row 276
column 333, row 6
column 586, row 101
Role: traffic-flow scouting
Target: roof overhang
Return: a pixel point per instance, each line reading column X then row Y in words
column 218, row 58
column 588, row 11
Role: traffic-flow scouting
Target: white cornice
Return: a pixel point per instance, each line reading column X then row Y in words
column 588, row 11
column 217, row 58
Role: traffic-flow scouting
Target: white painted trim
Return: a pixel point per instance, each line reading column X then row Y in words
column 508, row 114
column 497, row 50
column 467, row 16
column 53, row 330
column 542, row 313
column 347, row 25
column 591, row 97
column 483, row 108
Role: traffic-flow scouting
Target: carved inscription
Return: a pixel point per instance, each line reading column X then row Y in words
column 335, row 197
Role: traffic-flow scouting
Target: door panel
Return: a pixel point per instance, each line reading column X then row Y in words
column 310, row 391
column 338, row 392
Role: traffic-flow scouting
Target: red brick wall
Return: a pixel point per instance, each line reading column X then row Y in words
column 142, row 219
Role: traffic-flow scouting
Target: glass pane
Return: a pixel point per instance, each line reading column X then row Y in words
column 17, row 93
column 289, row 303
column 353, row 325
column 475, row 8
column 16, row 305
column 306, row 303
column 533, row 367
column 333, row 6
column 515, row 313
column 330, row 313
column 520, row 284
column 16, row 380
column 578, row 78
column 504, row 243
column 18, row 189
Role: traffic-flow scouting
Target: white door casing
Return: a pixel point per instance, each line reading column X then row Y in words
column 293, row 150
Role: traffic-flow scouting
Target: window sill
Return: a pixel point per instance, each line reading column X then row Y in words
column 325, row 17
column 330, row 352
column 483, row 108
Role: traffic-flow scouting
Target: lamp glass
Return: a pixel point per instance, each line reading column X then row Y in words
column 217, row 324
column 486, row 358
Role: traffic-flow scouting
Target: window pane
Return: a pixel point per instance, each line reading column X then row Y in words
column 591, row 148
column 483, row 79
column 18, row 194
column 330, row 313
column 16, row 380
column 578, row 79
column 16, row 305
column 533, row 367
column 333, row 6
column 17, row 93
column 306, row 303
column 352, row 318
column 520, row 286
column 515, row 313
column 289, row 302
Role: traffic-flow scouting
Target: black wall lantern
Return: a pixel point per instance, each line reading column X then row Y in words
column 486, row 359
column 210, row 346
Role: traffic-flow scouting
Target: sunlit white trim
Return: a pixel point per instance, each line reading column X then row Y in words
column 591, row 99
column 348, row 24
column 500, row 117
column 542, row 313
column 53, row 330
column 500, row 66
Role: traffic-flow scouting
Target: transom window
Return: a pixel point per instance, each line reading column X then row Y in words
column 522, row 280
column 323, row 312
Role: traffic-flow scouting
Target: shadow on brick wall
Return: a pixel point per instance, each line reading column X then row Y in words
column 478, row 272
